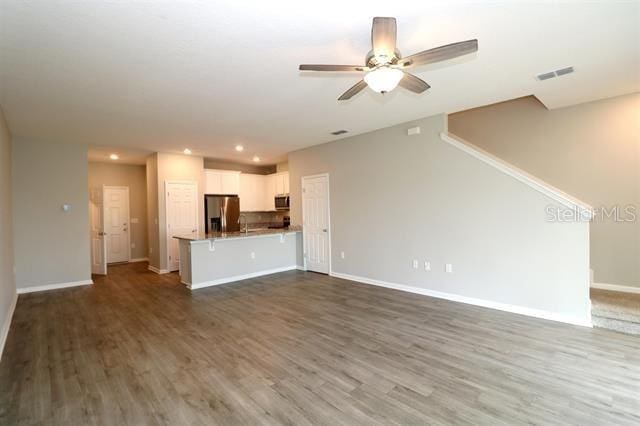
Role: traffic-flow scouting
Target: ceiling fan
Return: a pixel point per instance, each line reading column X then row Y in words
column 385, row 67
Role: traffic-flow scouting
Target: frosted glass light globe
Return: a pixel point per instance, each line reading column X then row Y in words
column 383, row 79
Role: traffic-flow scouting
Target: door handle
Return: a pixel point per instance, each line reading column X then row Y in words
column 324, row 230
column 102, row 234
column 124, row 230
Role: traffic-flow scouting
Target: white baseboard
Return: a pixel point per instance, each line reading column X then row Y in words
column 6, row 324
column 240, row 277
column 616, row 287
column 537, row 313
column 301, row 268
column 56, row 286
column 157, row 270
column 139, row 259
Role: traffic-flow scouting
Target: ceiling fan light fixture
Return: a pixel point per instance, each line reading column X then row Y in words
column 383, row 79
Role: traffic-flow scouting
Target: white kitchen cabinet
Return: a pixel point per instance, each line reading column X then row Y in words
column 282, row 183
column 270, row 192
column 225, row 182
column 252, row 190
column 257, row 192
column 231, row 183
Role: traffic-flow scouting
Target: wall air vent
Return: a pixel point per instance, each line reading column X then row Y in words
column 339, row 132
column 556, row 73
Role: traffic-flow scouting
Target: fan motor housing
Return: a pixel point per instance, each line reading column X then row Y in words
column 373, row 62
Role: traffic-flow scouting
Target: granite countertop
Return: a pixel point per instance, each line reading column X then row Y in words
column 233, row 235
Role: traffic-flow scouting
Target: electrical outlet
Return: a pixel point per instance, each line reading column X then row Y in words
column 341, row 255
column 427, row 265
column 415, row 263
column 150, row 250
column 253, row 254
column 449, row 268
column 133, row 245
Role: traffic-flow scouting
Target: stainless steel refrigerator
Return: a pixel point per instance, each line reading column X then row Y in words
column 222, row 213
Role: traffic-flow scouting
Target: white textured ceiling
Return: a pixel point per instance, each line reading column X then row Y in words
column 206, row 75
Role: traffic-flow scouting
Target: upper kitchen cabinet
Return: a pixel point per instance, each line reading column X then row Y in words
column 270, row 193
column 224, row 182
column 281, row 183
column 258, row 192
column 252, row 190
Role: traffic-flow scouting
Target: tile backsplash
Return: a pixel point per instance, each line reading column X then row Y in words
column 265, row 218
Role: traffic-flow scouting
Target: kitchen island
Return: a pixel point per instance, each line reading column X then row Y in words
column 219, row 258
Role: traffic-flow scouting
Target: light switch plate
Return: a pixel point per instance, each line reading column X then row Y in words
column 449, row 268
column 415, row 264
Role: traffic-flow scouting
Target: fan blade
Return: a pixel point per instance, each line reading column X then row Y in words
column 383, row 38
column 318, row 67
column 354, row 90
column 441, row 53
column 413, row 83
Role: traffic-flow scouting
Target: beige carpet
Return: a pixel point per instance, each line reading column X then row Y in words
column 616, row 311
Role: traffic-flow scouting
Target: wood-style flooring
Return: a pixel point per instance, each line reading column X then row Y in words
column 301, row 348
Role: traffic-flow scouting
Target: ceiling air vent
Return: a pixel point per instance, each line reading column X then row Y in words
column 564, row 71
column 339, row 132
column 546, row 76
column 556, row 73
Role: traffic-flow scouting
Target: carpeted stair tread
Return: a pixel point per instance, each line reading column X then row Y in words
column 616, row 311
column 616, row 325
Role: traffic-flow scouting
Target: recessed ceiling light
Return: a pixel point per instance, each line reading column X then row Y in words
column 256, row 159
column 239, row 148
column 114, row 156
column 187, row 151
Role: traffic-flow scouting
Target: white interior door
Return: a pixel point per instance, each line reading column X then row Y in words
column 182, row 217
column 116, row 221
column 98, row 241
column 315, row 222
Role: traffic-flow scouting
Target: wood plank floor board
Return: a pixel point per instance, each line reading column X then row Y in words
column 301, row 348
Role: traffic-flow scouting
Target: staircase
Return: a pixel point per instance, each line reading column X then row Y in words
column 616, row 311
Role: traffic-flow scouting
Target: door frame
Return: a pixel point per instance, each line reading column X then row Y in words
column 104, row 211
column 95, row 193
column 302, row 179
column 167, row 182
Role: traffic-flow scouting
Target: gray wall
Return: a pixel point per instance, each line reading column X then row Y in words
column 133, row 177
column 160, row 168
column 177, row 167
column 50, row 246
column 591, row 151
column 395, row 198
column 153, row 243
column 210, row 163
column 7, row 281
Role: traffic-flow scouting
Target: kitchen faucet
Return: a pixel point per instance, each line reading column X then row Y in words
column 246, row 225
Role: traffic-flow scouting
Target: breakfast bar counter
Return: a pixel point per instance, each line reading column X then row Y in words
column 219, row 258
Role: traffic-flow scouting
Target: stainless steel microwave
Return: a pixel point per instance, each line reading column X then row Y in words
column 282, row 202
